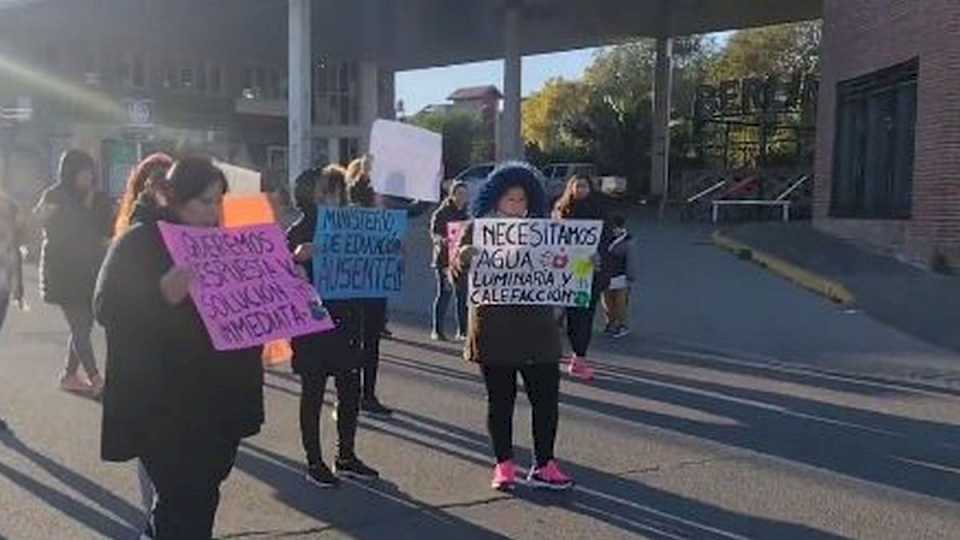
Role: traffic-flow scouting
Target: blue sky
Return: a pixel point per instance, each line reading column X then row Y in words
column 424, row 87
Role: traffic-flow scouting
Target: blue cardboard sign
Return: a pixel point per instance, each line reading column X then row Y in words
column 358, row 252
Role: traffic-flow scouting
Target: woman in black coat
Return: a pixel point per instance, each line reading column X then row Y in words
column 337, row 353
column 76, row 220
column 170, row 399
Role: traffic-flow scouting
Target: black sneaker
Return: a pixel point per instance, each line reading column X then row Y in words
column 373, row 407
column 3, row 425
column 321, row 476
column 386, row 333
column 354, row 468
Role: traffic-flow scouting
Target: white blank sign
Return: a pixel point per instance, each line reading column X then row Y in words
column 407, row 161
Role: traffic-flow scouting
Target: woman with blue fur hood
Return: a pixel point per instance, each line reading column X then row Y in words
column 509, row 339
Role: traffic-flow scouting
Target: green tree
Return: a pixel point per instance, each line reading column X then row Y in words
column 782, row 50
column 461, row 132
column 616, row 123
column 547, row 113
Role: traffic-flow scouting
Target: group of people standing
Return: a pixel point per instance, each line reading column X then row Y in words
column 180, row 408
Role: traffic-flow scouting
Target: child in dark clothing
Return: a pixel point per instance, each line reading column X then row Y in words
column 621, row 260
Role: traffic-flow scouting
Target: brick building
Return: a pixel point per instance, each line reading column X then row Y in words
column 888, row 155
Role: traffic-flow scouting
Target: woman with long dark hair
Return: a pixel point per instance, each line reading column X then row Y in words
column 76, row 218
column 579, row 202
column 453, row 209
column 171, row 399
column 336, row 354
column 360, row 192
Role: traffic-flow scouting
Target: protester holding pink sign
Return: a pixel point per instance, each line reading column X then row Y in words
column 171, row 399
column 446, row 228
column 247, row 287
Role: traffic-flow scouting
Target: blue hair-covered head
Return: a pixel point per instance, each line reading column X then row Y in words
column 506, row 176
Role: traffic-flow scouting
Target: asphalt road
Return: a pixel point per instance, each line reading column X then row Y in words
column 741, row 407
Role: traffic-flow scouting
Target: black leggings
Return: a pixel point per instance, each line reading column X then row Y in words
column 311, row 406
column 374, row 321
column 580, row 327
column 187, row 474
column 542, row 384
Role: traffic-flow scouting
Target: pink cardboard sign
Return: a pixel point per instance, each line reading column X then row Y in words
column 455, row 230
column 247, row 288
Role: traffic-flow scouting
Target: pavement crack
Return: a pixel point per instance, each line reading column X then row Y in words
column 679, row 465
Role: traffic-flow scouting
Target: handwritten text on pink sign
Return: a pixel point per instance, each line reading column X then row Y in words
column 247, row 289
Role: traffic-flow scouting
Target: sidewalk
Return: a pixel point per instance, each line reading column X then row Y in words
column 915, row 301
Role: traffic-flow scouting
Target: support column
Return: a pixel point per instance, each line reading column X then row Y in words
column 300, row 98
column 662, row 91
column 369, row 101
column 510, row 137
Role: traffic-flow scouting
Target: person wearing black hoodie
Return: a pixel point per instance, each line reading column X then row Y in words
column 171, row 399
column 579, row 202
column 453, row 209
column 76, row 231
column 337, row 353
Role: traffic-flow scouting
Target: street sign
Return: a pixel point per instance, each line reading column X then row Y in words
column 140, row 113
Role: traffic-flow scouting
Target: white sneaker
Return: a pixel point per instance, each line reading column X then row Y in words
column 74, row 383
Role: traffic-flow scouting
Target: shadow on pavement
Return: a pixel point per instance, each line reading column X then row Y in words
column 368, row 510
column 915, row 455
column 613, row 499
column 97, row 507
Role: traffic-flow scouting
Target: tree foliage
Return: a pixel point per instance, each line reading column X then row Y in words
column 461, row 133
column 607, row 116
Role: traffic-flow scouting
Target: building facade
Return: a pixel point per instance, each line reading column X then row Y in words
column 120, row 96
column 888, row 154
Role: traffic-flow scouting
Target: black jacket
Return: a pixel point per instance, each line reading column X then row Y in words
column 335, row 351
column 74, row 242
column 165, row 381
column 444, row 214
column 590, row 209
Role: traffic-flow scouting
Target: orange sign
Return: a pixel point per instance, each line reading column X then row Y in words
column 244, row 210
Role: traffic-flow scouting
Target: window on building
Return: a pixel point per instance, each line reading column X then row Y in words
column 187, row 77
column 874, row 145
column 201, row 78
column 216, row 80
column 138, row 68
column 336, row 94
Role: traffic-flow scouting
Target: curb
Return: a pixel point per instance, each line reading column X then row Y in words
column 833, row 290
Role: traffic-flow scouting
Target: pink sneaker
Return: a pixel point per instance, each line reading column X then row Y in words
column 73, row 383
column 549, row 477
column 504, row 476
column 578, row 368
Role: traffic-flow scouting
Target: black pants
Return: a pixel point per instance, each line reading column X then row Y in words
column 542, row 383
column 79, row 347
column 374, row 321
column 313, row 387
column 580, row 327
column 187, row 475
